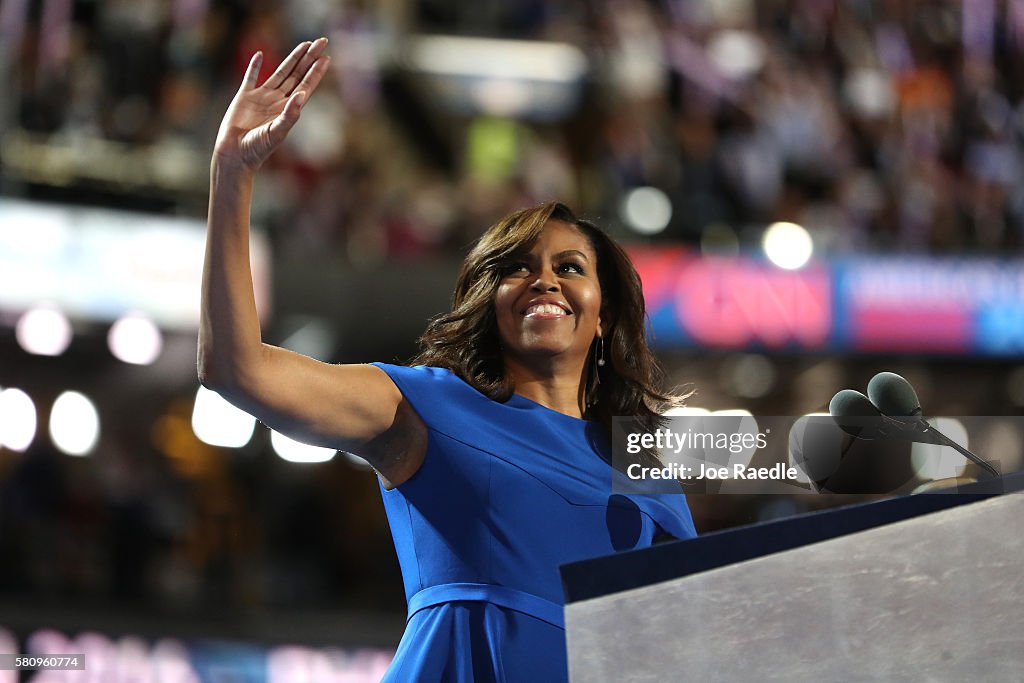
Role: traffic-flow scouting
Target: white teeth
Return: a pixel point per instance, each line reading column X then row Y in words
column 545, row 308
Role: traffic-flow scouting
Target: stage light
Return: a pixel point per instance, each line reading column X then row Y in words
column 294, row 451
column 74, row 424
column 17, row 420
column 646, row 210
column 787, row 245
column 43, row 332
column 218, row 423
column 135, row 339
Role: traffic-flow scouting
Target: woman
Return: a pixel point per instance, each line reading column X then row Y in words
column 492, row 453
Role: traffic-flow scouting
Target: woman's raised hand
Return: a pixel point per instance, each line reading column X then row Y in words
column 259, row 118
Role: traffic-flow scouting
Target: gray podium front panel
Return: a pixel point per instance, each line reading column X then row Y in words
column 935, row 598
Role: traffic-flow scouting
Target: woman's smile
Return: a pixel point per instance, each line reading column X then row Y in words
column 542, row 309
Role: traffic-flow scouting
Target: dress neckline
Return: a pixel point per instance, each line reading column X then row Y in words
column 530, row 404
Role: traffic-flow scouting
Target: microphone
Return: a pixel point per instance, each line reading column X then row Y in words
column 895, row 398
column 856, row 415
column 893, row 395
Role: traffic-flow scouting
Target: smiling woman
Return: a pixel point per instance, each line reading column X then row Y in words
column 493, row 448
column 548, row 308
column 546, row 255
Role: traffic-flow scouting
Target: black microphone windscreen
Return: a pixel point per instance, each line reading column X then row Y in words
column 893, row 395
column 855, row 414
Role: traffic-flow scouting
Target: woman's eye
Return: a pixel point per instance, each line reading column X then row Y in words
column 517, row 267
column 571, row 267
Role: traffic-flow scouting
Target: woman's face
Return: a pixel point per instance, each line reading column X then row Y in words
column 549, row 299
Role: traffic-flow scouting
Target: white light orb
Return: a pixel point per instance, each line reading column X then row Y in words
column 218, row 423
column 17, row 420
column 43, row 332
column 135, row 339
column 295, row 451
column 74, row 424
column 737, row 53
column 787, row 245
column 646, row 210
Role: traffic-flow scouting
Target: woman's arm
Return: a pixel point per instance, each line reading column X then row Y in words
column 356, row 408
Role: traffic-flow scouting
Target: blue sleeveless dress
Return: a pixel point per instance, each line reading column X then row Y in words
column 507, row 492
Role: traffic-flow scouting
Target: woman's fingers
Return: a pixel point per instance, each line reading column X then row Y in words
column 293, row 72
column 288, row 65
column 302, row 69
column 252, row 73
column 266, row 114
column 313, row 76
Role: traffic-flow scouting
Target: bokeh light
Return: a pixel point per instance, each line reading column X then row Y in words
column 74, row 423
column 218, row 423
column 44, row 332
column 788, row 245
column 646, row 210
column 135, row 339
column 17, row 420
column 295, row 451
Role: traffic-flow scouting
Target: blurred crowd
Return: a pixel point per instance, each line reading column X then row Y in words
column 876, row 124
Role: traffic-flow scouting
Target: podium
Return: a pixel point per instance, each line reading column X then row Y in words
column 924, row 587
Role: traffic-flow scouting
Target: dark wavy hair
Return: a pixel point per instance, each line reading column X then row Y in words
column 465, row 340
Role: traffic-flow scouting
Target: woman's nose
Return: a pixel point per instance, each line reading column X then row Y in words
column 545, row 282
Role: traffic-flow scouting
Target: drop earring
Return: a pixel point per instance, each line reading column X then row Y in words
column 595, row 374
